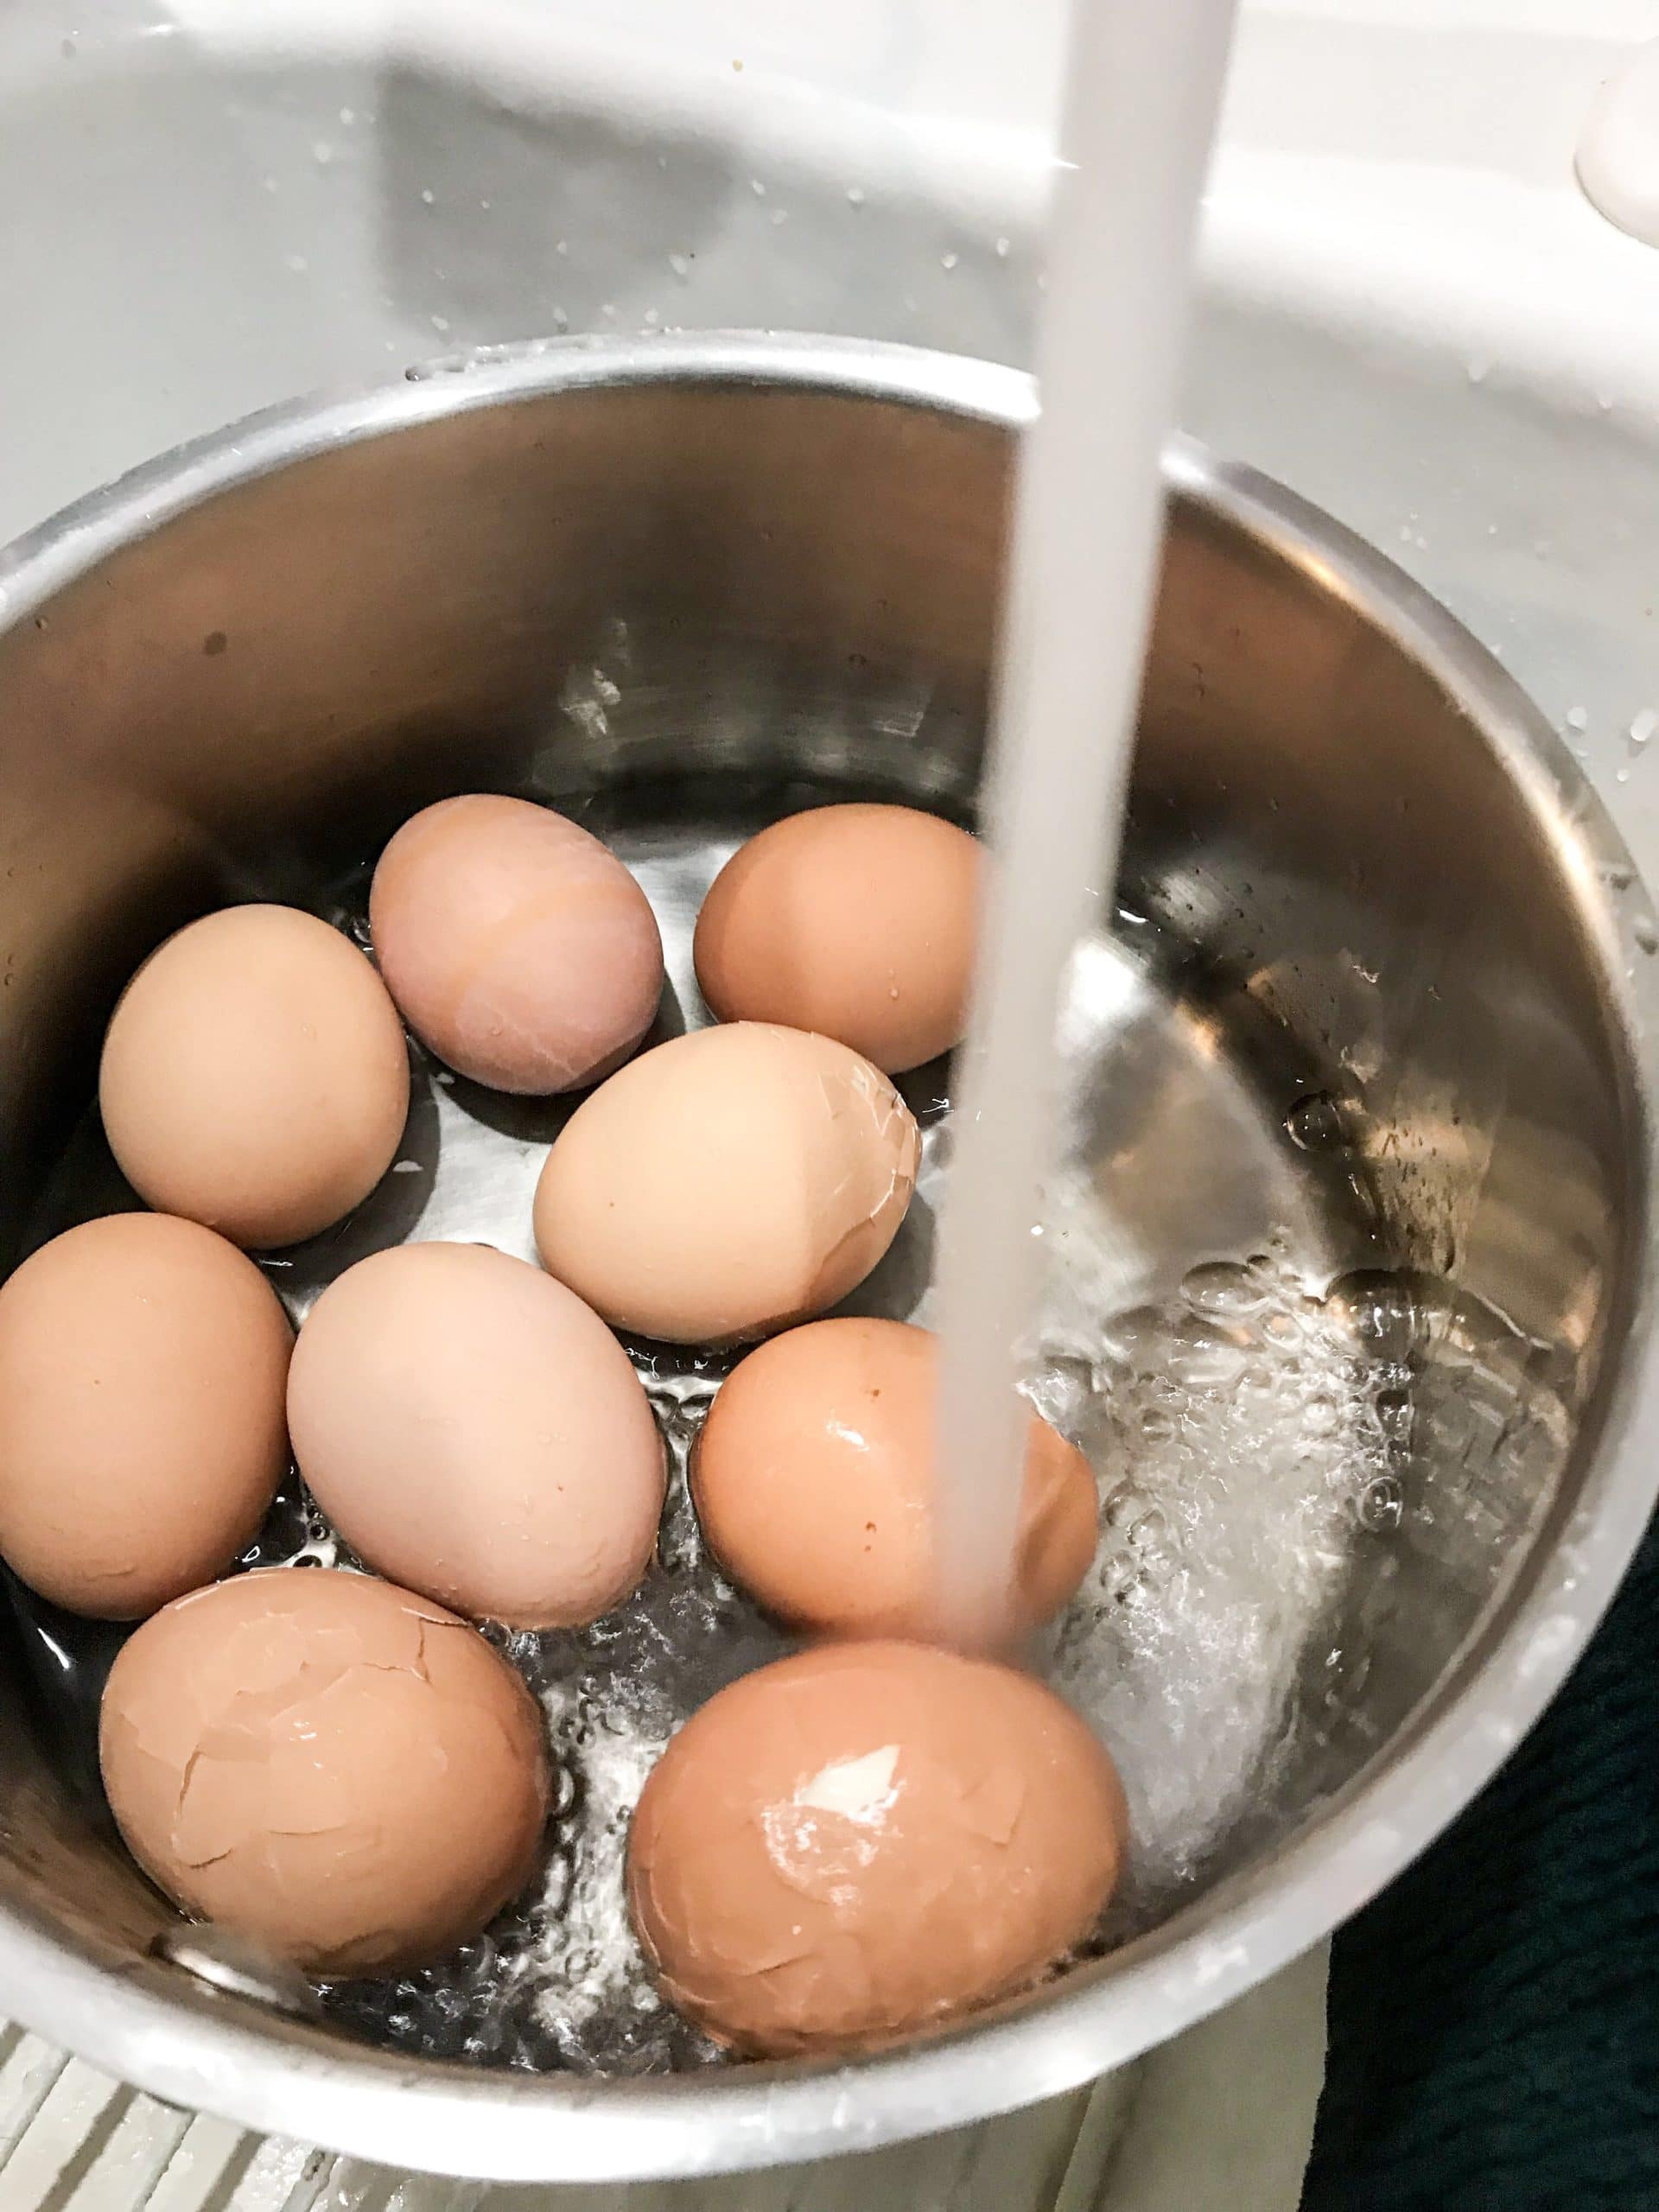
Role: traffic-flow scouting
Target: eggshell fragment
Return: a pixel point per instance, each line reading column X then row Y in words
column 854, row 921
column 475, row 1432
column 813, row 1480
column 143, row 1364
column 255, row 1075
column 865, row 1839
column 341, row 1771
column 519, row 948
column 726, row 1183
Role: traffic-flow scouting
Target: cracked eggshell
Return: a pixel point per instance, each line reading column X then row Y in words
column 813, row 1480
column 856, row 921
column 728, row 1183
column 519, row 948
column 255, row 1075
column 339, row 1770
column 143, row 1364
column 866, row 1838
column 475, row 1432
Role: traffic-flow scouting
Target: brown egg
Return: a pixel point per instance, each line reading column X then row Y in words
column 854, row 921
column 868, row 1838
column 475, row 1432
column 726, row 1183
column 342, row 1772
column 255, row 1075
column 143, row 1361
column 519, row 948
column 813, row 1481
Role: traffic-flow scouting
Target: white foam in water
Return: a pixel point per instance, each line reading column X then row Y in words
column 1143, row 84
column 1235, row 1433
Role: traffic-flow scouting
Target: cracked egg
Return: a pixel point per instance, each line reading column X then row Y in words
column 344, row 1773
column 868, row 1838
column 727, row 1184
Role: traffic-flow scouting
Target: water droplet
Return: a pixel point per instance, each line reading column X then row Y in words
column 855, row 196
column 1479, row 369
column 779, row 215
column 428, row 197
column 1641, row 728
column 948, row 261
column 1578, row 718
column 1004, row 247
column 680, row 264
column 1645, row 930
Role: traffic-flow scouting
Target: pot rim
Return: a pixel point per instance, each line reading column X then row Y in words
column 191, row 2044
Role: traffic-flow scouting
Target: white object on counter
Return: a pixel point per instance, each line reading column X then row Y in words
column 1619, row 154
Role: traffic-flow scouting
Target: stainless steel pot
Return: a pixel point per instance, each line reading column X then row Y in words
column 241, row 666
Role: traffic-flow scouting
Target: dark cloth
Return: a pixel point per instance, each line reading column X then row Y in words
column 1494, row 2018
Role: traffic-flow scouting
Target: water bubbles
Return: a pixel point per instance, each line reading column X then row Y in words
column 1232, row 1289
column 1383, row 1504
column 1202, row 1357
column 1394, row 1414
column 1381, row 1309
column 1234, row 1428
column 1320, row 1415
column 1316, row 1123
